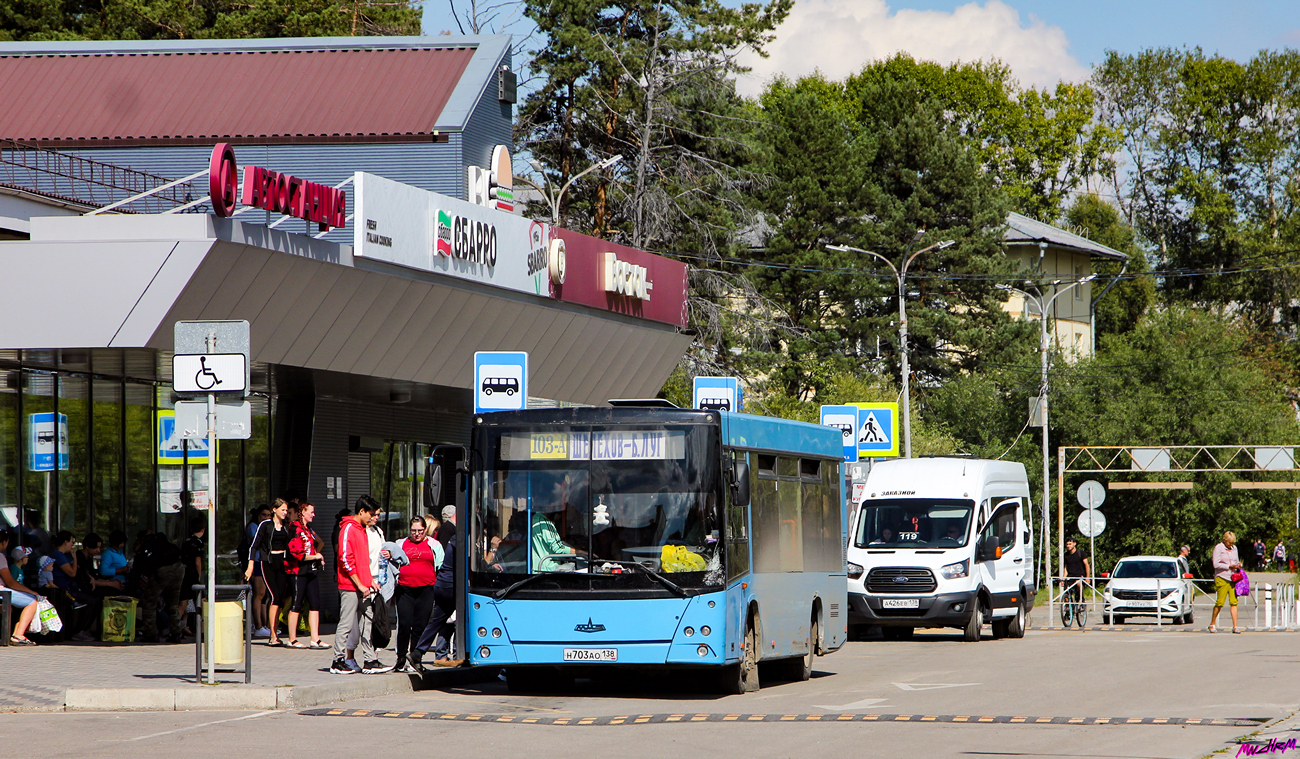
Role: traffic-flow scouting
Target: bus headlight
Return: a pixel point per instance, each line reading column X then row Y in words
column 485, row 652
column 705, row 630
column 688, row 632
column 482, row 632
column 702, row 650
column 955, row 571
column 496, row 632
column 855, row 571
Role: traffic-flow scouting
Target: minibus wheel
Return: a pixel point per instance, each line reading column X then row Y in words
column 971, row 633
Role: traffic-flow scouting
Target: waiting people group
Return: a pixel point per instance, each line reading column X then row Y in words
column 68, row 587
column 404, row 587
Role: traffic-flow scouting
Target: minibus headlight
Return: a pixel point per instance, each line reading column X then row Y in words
column 955, row 571
column 855, row 571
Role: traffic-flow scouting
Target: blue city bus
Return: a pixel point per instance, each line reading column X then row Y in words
column 643, row 536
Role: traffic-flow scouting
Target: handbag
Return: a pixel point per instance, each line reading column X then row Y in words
column 1236, row 577
column 50, row 621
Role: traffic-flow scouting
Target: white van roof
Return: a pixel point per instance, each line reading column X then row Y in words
column 945, row 477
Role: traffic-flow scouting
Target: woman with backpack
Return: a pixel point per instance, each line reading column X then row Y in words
column 305, row 562
column 272, row 544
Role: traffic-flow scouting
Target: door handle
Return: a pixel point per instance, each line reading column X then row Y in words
column 1017, row 561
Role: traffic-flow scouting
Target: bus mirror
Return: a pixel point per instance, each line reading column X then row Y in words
column 740, row 484
column 432, row 487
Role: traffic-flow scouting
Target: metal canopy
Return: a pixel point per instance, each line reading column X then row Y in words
column 310, row 307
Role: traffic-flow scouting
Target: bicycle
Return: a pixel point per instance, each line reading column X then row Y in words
column 1073, row 608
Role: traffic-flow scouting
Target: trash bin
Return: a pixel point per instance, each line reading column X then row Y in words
column 230, row 631
column 118, row 619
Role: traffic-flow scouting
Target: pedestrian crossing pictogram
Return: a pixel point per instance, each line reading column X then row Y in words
column 877, row 429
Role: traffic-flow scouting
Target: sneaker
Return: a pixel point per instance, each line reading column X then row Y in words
column 375, row 667
column 401, row 665
column 352, row 665
column 415, row 661
column 340, row 667
column 262, row 632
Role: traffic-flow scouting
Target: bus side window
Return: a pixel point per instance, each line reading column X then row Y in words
column 737, row 534
column 765, row 513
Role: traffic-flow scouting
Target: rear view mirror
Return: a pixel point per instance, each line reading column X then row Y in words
column 740, row 483
column 988, row 548
column 432, row 486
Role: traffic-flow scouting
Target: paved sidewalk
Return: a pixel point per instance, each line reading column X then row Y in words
column 160, row 677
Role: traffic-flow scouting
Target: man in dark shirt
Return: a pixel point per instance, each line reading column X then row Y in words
column 159, row 567
column 1076, row 562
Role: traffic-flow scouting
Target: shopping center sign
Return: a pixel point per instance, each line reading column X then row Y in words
column 272, row 191
column 427, row 231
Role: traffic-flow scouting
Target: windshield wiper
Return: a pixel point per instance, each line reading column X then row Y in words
column 664, row 581
column 504, row 592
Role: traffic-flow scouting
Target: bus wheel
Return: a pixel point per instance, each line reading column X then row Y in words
column 800, row 668
column 742, row 677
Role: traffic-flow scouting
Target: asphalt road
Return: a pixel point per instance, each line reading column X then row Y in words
column 1177, row 676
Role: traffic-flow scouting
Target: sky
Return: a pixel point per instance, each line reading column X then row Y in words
column 1043, row 41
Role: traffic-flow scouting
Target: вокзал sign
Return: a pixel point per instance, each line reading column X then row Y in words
column 273, row 191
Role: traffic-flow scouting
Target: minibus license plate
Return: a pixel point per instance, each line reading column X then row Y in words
column 591, row 654
column 901, row 603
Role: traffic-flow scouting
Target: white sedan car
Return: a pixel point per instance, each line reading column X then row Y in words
column 1146, row 586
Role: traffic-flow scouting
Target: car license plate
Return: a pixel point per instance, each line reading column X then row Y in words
column 591, row 654
column 1141, row 604
column 901, row 603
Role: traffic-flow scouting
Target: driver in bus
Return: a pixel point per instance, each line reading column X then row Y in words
column 545, row 542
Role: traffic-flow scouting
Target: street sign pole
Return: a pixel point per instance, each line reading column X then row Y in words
column 210, row 617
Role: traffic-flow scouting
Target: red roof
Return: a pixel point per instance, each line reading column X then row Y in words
column 264, row 97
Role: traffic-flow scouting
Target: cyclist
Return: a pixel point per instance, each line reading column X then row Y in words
column 1078, row 567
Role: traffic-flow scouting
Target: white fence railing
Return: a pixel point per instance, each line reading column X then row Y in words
column 1273, row 606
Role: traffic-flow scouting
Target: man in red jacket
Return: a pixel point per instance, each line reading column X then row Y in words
column 357, row 589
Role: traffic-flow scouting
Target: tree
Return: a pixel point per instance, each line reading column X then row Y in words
column 1181, row 377
column 1120, row 305
column 1213, row 148
column 36, row 20
column 868, row 166
column 1038, row 145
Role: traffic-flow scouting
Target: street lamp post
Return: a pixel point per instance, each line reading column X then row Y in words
column 1044, row 345
column 554, row 198
column 901, row 276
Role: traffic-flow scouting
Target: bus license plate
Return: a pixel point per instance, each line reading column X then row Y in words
column 900, row 603
column 591, row 654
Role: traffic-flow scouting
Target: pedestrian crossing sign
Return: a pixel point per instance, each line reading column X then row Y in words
column 877, row 431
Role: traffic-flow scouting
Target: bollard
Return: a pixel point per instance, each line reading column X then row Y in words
column 1268, row 605
column 1160, row 617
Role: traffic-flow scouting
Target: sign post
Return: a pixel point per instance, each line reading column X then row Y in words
column 1092, row 522
column 211, row 358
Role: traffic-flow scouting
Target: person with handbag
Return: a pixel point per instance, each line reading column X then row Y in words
column 21, row 597
column 1227, row 573
column 305, row 564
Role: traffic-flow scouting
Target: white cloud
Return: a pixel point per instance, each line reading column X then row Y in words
column 838, row 37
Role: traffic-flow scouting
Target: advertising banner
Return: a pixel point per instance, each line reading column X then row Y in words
column 424, row 230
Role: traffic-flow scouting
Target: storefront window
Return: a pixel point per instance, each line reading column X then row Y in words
column 141, row 505
column 397, row 477
column 257, row 455
column 10, row 453
column 38, row 486
column 106, row 437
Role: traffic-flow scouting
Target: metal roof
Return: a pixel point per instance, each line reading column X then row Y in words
column 262, row 91
column 1024, row 230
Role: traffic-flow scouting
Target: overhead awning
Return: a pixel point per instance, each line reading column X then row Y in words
column 123, row 281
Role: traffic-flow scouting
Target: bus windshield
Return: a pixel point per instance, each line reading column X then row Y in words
column 914, row 523
column 593, row 508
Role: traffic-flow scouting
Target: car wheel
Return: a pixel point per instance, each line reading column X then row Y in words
column 1190, row 616
column 1017, row 624
column 1118, row 619
column 1105, row 618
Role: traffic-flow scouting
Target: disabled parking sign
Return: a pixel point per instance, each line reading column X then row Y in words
column 500, row 381
column 877, row 429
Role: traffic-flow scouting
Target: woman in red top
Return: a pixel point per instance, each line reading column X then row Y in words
column 305, row 562
column 415, row 588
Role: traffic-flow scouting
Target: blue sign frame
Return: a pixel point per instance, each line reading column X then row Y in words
column 500, row 381
column 844, row 419
column 40, row 435
column 718, row 394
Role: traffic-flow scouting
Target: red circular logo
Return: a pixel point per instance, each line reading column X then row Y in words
column 223, row 179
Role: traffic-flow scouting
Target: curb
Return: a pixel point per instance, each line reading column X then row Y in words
column 261, row 698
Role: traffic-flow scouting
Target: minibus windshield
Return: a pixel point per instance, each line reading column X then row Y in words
column 914, row 523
